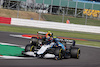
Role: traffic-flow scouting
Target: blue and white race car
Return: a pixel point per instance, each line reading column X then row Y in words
column 55, row 48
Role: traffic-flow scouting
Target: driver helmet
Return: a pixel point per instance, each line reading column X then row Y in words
column 49, row 33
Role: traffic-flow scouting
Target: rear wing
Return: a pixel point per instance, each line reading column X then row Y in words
column 39, row 34
column 42, row 33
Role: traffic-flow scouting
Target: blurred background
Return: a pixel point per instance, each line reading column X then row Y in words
column 78, row 11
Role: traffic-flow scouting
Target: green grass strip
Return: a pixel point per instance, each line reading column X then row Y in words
column 7, row 50
column 89, row 43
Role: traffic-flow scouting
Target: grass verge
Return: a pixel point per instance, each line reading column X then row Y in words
column 73, row 20
column 89, row 43
column 22, row 14
column 31, row 30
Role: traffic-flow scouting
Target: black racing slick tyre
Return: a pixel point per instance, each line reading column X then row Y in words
column 29, row 47
column 75, row 52
column 58, row 53
column 34, row 41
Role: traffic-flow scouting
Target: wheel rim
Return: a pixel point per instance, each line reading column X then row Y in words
column 60, row 55
column 78, row 53
column 31, row 48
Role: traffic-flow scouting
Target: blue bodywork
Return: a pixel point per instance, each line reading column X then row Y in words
column 58, row 43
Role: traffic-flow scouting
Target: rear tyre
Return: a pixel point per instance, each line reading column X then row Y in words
column 75, row 52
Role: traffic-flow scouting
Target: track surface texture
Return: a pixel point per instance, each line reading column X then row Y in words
column 90, row 56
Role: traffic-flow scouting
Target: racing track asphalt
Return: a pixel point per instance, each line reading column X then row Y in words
column 90, row 57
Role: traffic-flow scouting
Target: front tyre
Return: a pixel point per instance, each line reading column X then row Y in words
column 58, row 53
column 34, row 41
column 75, row 52
column 29, row 47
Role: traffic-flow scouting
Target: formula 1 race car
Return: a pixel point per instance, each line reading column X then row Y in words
column 57, row 48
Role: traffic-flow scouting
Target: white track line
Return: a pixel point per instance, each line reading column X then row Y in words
column 13, row 57
column 12, row 45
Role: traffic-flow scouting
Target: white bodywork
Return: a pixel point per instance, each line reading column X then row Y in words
column 41, row 51
column 30, row 53
column 49, row 56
